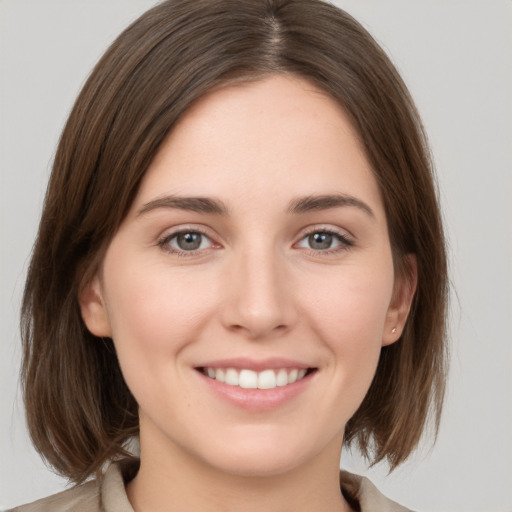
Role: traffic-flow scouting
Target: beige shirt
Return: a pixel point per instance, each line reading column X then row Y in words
column 108, row 495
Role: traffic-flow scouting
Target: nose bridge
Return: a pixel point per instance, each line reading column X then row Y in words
column 258, row 301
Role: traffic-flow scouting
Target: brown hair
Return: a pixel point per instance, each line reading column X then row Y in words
column 80, row 412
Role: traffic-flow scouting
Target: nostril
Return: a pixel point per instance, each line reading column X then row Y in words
column 257, row 329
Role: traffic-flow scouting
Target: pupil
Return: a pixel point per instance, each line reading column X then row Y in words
column 189, row 241
column 320, row 240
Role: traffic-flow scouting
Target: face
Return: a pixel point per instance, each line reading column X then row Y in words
column 250, row 288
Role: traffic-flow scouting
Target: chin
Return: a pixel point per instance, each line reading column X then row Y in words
column 263, row 455
column 259, row 464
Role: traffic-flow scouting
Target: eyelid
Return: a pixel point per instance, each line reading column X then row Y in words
column 346, row 239
column 169, row 234
column 327, row 228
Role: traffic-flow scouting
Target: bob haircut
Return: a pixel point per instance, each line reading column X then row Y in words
column 80, row 412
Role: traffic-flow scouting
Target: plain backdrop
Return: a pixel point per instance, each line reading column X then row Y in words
column 456, row 57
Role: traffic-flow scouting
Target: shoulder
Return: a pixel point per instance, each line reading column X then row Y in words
column 104, row 495
column 369, row 499
column 82, row 498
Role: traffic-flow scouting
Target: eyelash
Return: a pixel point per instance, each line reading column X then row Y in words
column 164, row 242
column 344, row 241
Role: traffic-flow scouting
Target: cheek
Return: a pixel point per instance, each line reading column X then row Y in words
column 355, row 302
column 154, row 314
column 349, row 315
column 152, row 307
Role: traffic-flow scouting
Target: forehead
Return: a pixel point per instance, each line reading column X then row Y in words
column 278, row 136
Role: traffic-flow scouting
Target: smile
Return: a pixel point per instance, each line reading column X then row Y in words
column 250, row 379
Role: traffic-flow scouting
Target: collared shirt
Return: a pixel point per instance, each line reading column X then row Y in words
column 108, row 494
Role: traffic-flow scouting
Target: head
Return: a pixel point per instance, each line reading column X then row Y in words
column 150, row 79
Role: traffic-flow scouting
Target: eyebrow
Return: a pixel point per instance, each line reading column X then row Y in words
column 325, row 202
column 214, row 206
column 191, row 204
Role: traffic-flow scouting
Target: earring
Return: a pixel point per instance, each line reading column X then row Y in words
column 393, row 330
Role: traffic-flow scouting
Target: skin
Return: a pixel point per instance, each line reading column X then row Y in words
column 256, row 288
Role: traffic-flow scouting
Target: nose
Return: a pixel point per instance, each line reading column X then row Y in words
column 259, row 299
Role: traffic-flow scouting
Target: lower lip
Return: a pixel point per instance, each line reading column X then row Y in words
column 257, row 399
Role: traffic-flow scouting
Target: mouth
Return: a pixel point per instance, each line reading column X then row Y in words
column 249, row 379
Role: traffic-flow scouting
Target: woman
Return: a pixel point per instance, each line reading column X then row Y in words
column 240, row 262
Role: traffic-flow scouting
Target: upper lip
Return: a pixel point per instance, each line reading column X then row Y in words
column 257, row 365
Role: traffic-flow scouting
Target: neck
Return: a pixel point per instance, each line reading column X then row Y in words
column 175, row 480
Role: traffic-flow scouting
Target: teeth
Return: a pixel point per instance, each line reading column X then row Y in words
column 282, row 377
column 249, row 379
column 267, row 380
column 231, row 377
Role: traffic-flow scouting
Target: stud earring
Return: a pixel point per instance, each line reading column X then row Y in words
column 393, row 330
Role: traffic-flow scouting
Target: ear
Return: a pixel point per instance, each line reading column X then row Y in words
column 92, row 307
column 403, row 295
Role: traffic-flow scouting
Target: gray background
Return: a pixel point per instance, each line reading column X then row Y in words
column 456, row 58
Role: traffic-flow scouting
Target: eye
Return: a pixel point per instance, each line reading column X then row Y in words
column 186, row 241
column 324, row 241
